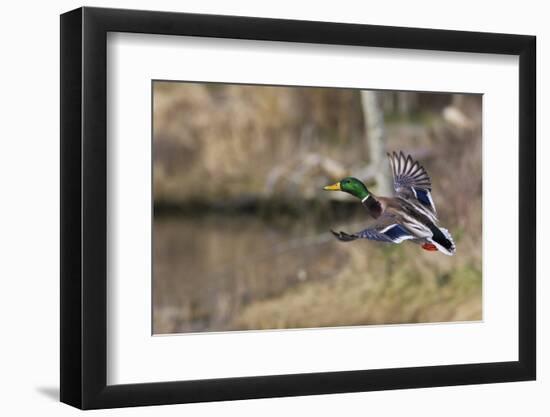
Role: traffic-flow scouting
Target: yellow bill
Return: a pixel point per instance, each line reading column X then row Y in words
column 333, row 187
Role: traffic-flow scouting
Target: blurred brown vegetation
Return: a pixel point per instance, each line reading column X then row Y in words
column 241, row 224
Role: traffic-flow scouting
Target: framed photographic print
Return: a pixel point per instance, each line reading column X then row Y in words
column 257, row 207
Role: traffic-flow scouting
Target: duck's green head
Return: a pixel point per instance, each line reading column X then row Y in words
column 351, row 186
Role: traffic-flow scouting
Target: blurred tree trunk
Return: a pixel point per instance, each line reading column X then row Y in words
column 406, row 102
column 376, row 137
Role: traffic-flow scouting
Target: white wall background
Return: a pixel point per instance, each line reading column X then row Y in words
column 29, row 225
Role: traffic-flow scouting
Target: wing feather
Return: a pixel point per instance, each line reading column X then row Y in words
column 385, row 230
column 410, row 179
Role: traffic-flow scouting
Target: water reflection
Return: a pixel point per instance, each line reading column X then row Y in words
column 207, row 269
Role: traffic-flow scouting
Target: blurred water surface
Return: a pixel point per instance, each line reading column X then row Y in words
column 206, row 269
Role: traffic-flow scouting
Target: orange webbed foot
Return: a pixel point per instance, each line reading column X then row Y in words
column 429, row 247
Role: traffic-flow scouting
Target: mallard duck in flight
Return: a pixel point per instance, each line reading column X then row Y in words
column 409, row 215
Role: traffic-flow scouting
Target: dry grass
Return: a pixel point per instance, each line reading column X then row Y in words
column 377, row 286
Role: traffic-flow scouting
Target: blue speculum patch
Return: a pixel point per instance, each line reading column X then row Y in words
column 423, row 197
column 396, row 232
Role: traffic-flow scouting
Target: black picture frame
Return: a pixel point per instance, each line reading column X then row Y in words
column 84, row 207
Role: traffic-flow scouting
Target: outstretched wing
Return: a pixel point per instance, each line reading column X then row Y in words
column 386, row 230
column 410, row 179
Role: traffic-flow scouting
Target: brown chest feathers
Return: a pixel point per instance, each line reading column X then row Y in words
column 373, row 206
